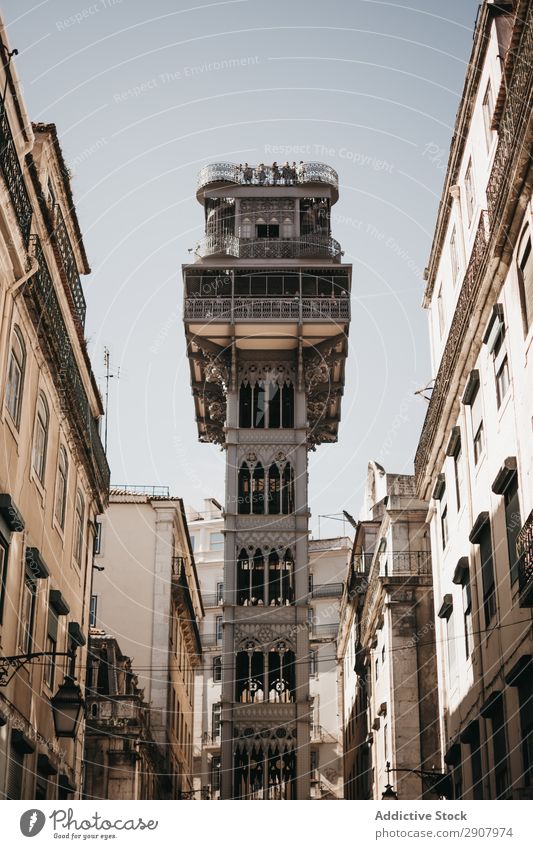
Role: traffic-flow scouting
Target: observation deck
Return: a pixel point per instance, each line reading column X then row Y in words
column 218, row 174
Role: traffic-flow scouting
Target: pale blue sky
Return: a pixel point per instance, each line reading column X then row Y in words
column 367, row 85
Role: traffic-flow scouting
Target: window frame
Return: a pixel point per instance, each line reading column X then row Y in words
column 79, row 529
column 61, row 480
column 14, row 406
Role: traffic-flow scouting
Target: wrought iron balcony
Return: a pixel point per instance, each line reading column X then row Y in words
column 405, row 564
column 512, row 142
column 68, row 266
column 323, row 632
column 524, row 549
column 327, row 590
column 228, row 172
column 245, row 309
column 318, row 245
column 460, row 323
column 45, row 310
column 13, row 176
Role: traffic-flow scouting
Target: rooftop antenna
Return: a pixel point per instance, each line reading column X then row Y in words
column 108, row 377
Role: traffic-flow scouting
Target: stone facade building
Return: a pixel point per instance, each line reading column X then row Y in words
column 387, row 660
column 54, row 475
column 474, row 460
column 266, row 317
column 121, row 760
column 148, row 597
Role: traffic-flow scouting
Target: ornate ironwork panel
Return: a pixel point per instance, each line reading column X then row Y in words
column 68, row 266
column 13, row 176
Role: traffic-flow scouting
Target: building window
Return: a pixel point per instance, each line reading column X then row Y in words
column 40, row 440
column 27, row 614
column 193, row 543
column 267, row 231
column 216, row 542
column 215, row 774
column 51, row 647
column 525, row 282
column 314, row 765
column 444, row 519
column 4, row 553
column 15, row 376
column 488, row 111
column 481, row 535
column 450, row 642
column 470, row 196
column 467, row 612
column 499, row 748
column 454, row 256
column 501, row 369
column 458, row 473
column 216, row 720
column 79, row 520
column 217, row 669
column 220, row 592
column 267, row 405
column 61, row 487
column 92, row 611
column 313, row 662
column 97, row 541
column 478, row 433
column 525, row 697
column 440, row 313
column 218, row 627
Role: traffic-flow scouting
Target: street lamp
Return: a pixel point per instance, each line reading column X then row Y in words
column 67, row 705
column 438, row 783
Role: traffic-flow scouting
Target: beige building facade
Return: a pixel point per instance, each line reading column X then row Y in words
column 54, row 476
column 147, row 595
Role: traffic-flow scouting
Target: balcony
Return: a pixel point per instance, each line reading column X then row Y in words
column 461, row 321
column 13, row 176
column 402, row 564
column 317, row 245
column 328, row 631
column 45, row 311
column 270, row 309
column 212, row 600
column 524, row 548
column 68, row 267
column 182, row 595
column 228, row 172
column 327, row 591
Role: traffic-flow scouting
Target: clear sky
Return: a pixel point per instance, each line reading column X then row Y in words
column 144, row 94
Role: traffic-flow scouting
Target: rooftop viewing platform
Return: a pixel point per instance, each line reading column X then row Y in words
column 268, row 176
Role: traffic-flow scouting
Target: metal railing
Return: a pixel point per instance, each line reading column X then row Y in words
column 405, row 563
column 212, row 600
column 13, row 176
column 132, row 489
column 228, row 172
column 524, row 549
column 241, row 309
column 460, row 322
column 327, row 590
column 68, row 266
column 312, row 245
column 211, row 640
column 53, row 336
column 323, row 632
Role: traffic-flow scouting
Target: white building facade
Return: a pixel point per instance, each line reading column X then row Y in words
column 474, row 459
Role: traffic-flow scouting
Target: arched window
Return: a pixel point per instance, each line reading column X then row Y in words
column 40, row 439
column 287, row 228
column 250, row 578
column 259, row 406
column 274, row 405
column 280, row 578
column 61, row 486
column 249, row 675
column 274, row 489
column 15, row 376
column 525, row 280
column 281, row 677
column 265, row 770
column 246, row 228
column 287, row 405
column 287, row 490
column 245, row 405
column 79, row 521
column 258, row 490
column 244, row 489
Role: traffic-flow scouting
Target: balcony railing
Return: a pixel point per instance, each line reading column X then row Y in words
column 243, row 309
column 323, row 632
column 228, row 172
column 327, row 590
column 13, row 176
column 514, row 120
column 68, row 266
column 405, row 564
column 212, row 600
column 524, row 549
column 314, row 245
column 51, row 329
column 460, row 323
column 140, row 489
